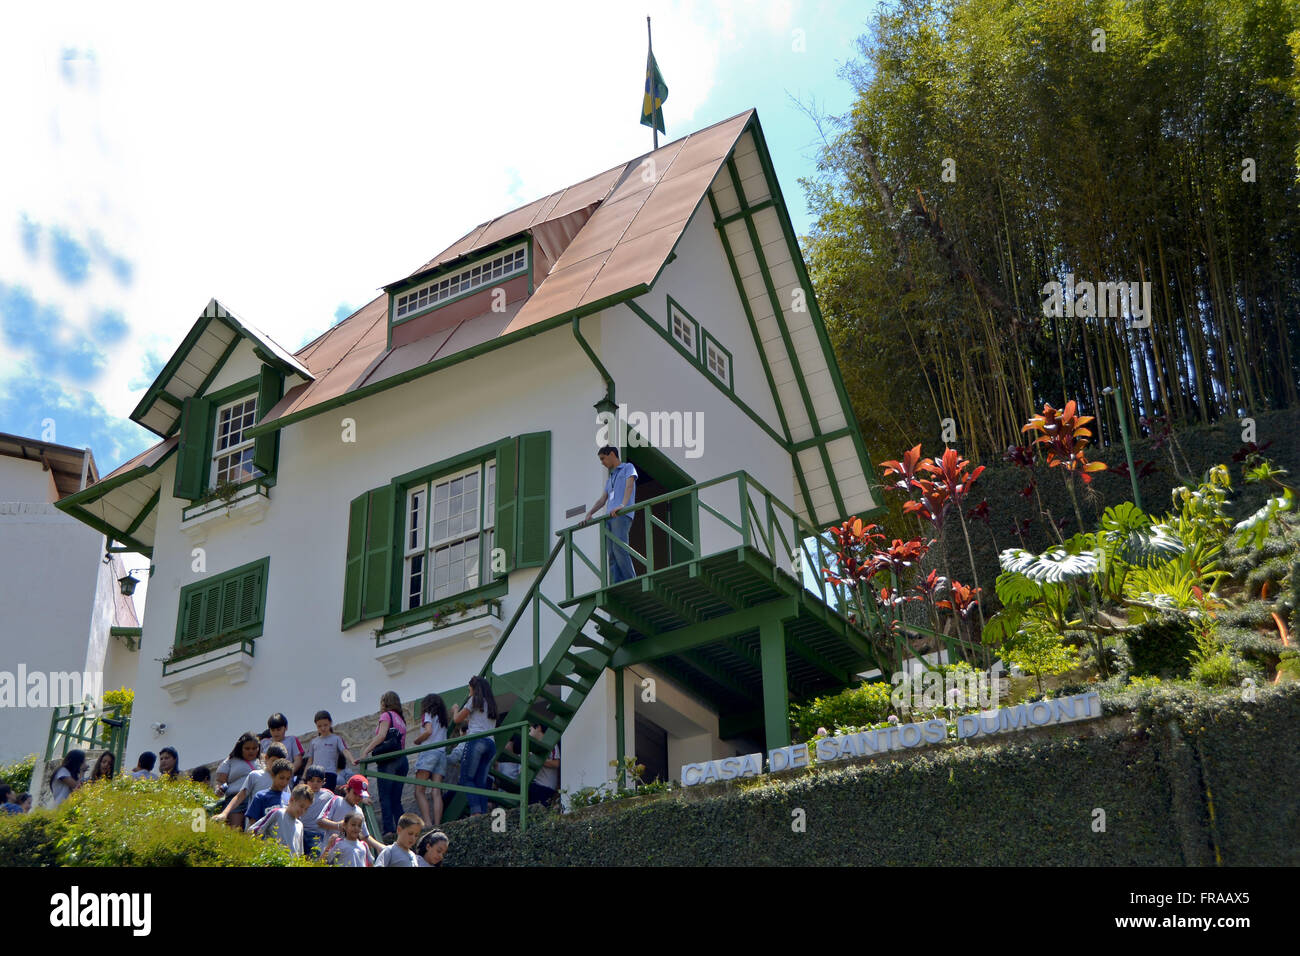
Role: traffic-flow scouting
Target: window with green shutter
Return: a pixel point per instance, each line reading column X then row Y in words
column 448, row 532
column 224, row 607
column 212, row 448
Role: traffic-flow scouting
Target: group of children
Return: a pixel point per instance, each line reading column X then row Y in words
column 274, row 786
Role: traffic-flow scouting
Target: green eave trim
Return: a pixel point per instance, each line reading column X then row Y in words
column 158, row 389
column 265, row 428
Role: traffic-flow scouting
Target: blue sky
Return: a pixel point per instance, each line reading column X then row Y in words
column 291, row 170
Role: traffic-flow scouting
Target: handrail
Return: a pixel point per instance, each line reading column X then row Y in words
column 527, row 598
column 499, row 796
column 87, row 718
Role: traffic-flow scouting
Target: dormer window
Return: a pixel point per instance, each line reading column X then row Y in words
column 232, row 453
column 469, row 279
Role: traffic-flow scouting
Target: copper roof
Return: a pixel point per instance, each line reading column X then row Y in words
column 605, row 235
column 609, row 233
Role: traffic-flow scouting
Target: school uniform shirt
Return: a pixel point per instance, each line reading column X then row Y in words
column 144, row 775
column 277, row 824
column 349, row 853
column 616, row 486
column 235, row 769
column 395, row 856
column 478, row 720
column 254, row 783
column 263, row 801
column 290, row 744
column 324, row 752
column 312, row 816
column 338, row 809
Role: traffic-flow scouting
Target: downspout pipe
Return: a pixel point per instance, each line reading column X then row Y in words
column 608, row 401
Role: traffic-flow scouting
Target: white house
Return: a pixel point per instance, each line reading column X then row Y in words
column 60, row 597
column 399, row 501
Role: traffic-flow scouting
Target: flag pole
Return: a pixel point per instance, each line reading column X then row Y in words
column 653, row 128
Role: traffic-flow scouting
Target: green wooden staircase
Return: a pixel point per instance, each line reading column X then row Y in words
column 556, row 685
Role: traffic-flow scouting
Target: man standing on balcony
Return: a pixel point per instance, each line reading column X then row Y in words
column 620, row 492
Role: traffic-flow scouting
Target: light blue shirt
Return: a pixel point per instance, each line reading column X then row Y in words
column 616, row 486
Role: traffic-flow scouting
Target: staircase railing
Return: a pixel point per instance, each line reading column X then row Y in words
column 498, row 796
column 79, row 727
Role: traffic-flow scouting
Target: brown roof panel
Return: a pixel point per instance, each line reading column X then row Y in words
column 561, row 291
column 621, row 243
column 633, row 262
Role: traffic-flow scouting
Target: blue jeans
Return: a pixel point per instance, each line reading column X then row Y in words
column 390, row 793
column 474, row 768
column 620, row 560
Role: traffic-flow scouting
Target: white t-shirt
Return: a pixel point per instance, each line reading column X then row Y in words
column 421, row 861
column 278, row 824
column 60, row 786
column 549, row 776
column 479, row 721
column 437, row 732
column 349, row 853
column 395, row 856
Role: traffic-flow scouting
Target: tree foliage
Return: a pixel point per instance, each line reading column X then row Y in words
column 1129, row 163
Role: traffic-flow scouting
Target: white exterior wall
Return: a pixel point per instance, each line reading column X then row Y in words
column 54, row 594
column 302, row 658
column 545, row 383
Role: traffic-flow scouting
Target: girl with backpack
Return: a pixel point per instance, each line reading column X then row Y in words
column 390, row 736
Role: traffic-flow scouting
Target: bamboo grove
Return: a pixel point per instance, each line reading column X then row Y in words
column 998, row 145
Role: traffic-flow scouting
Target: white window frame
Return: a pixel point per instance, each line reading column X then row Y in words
column 677, row 319
column 244, row 446
column 452, row 286
column 713, row 351
column 419, row 547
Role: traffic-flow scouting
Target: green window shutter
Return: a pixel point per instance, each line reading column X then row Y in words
column 534, row 508
column 210, row 624
column 195, row 449
column 378, row 566
column 270, row 388
column 358, row 513
column 507, row 509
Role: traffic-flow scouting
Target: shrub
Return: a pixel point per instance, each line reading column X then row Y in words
column 1162, row 647
column 19, row 774
column 866, row 704
column 126, row 822
column 1216, row 670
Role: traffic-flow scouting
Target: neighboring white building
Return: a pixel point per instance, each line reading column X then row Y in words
column 59, row 598
column 419, row 459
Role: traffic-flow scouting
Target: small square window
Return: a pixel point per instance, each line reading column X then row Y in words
column 683, row 331
column 718, row 362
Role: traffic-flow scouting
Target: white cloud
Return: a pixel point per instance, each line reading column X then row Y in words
column 290, row 157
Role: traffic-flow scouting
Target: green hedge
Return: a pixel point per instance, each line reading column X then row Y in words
column 1023, row 802
column 129, row 822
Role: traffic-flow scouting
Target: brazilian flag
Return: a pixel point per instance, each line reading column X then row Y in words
column 656, row 91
